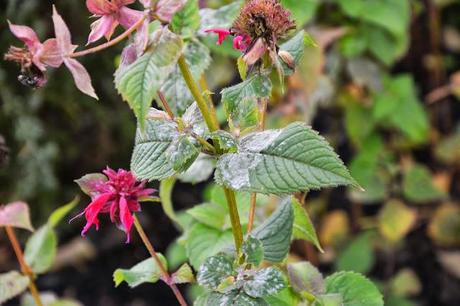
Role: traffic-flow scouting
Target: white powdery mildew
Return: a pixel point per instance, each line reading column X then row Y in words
column 234, row 169
column 258, row 141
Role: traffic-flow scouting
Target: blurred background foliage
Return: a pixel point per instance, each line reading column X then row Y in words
column 382, row 85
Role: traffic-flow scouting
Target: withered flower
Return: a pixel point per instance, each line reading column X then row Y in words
column 258, row 28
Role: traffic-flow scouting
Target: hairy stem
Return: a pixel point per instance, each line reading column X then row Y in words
column 25, row 269
column 211, row 121
column 112, row 42
column 166, row 277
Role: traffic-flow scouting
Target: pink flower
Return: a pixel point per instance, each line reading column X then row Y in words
column 111, row 13
column 36, row 56
column 116, row 193
column 240, row 42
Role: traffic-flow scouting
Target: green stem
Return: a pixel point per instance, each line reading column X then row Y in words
column 211, row 122
column 234, row 219
column 195, row 90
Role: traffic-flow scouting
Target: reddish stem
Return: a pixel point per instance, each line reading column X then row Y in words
column 24, row 266
column 164, row 272
column 110, row 43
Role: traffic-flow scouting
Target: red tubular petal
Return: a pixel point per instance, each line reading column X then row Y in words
column 92, row 211
column 222, row 33
column 104, row 26
column 126, row 218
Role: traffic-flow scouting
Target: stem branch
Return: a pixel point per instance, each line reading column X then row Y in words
column 211, row 121
column 164, row 272
column 112, row 42
column 25, row 269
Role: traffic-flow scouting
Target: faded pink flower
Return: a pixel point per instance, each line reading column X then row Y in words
column 165, row 9
column 36, row 56
column 111, row 13
column 117, row 193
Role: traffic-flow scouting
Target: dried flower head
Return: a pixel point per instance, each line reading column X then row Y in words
column 265, row 19
column 117, row 193
column 257, row 29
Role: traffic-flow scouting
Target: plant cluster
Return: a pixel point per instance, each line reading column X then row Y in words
column 235, row 246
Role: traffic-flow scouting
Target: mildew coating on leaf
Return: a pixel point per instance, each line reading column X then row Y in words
column 288, row 160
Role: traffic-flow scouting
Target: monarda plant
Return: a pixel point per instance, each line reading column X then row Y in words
column 235, row 246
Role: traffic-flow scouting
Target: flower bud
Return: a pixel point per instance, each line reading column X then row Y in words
column 287, row 58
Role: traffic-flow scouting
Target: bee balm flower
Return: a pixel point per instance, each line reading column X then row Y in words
column 117, row 193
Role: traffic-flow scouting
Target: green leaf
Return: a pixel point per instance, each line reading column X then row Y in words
column 302, row 11
column 292, row 159
column 356, row 290
column 199, row 171
column 214, row 270
column 418, row 186
column 147, row 271
column 149, row 159
column 242, row 68
column 444, row 227
column 175, row 254
column 303, row 227
column 41, row 249
column 253, row 250
column 16, row 214
column 182, row 152
column 285, row 297
column 139, row 82
column 398, row 106
column 295, row 47
column 357, row 256
column 264, row 282
column 211, row 214
column 240, row 101
column 395, row 220
column 166, row 188
column 204, row 241
column 187, row 20
column 369, row 169
column 233, row 298
column 183, row 275
column 329, row 300
column 275, row 232
column 392, row 15
column 222, row 17
column 448, row 150
column 225, row 140
column 174, row 89
column 12, row 284
column 405, row 283
column 303, row 276
column 59, row 213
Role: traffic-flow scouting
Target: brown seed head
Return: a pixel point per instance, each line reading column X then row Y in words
column 265, row 19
